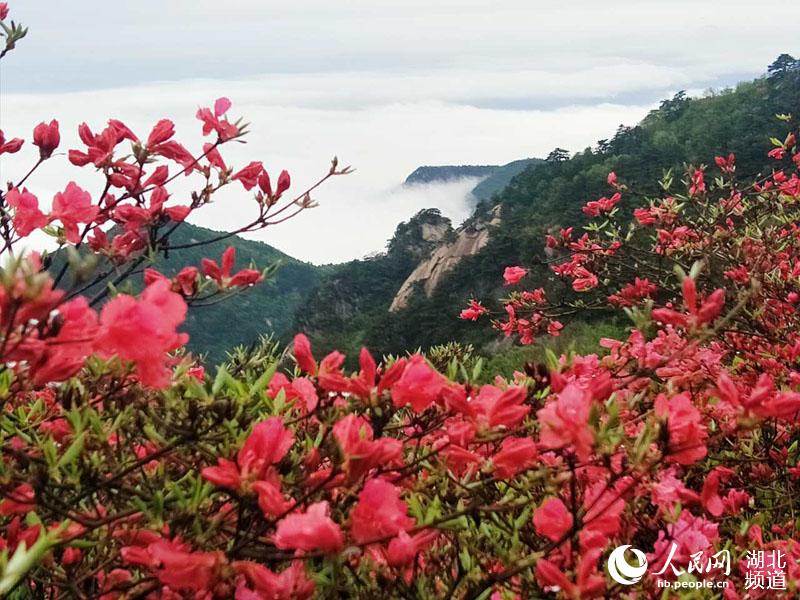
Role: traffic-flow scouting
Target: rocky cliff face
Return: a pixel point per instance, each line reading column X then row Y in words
column 417, row 237
column 352, row 297
column 469, row 240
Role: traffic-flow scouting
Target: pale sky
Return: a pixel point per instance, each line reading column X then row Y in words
column 386, row 86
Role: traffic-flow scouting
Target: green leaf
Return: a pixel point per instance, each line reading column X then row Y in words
column 263, row 381
column 465, row 559
column 434, row 511
column 74, row 450
column 477, row 369
column 153, row 435
column 24, row 560
column 552, row 360
column 220, row 380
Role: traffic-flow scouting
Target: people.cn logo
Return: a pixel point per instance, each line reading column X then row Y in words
column 623, row 572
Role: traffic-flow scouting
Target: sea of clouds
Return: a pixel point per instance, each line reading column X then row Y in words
column 357, row 213
column 385, row 86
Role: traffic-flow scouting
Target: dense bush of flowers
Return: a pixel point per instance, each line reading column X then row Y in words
column 127, row 472
column 689, row 425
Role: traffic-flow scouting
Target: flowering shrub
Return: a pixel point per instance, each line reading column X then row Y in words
column 688, row 428
column 128, row 473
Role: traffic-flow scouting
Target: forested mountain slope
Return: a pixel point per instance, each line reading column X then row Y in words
column 348, row 305
column 266, row 308
column 549, row 195
column 501, row 177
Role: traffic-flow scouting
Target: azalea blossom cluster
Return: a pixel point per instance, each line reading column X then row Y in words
column 736, row 238
column 296, row 479
column 50, row 325
column 709, row 375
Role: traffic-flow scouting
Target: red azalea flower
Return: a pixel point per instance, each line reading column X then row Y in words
column 419, row 386
column 300, row 388
column 64, row 354
column 144, row 331
column 554, row 328
column 266, row 445
column 21, row 500
column 212, row 121
column 515, row 455
column 214, row 157
column 309, row 531
column 584, row 280
column 271, row 500
column 491, row 407
column 363, row 384
column 264, row 184
column 361, row 452
column 565, row 421
column 284, row 182
column 10, row 146
column 513, row 275
column 303, row 356
column 687, row 433
column 330, row 376
column 248, row 176
column 710, row 497
column 404, row 548
column 494, row 407
column 71, row 207
column 698, row 184
column 223, row 276
column 473, row 311
column 727, row 164
column 161, row 132
column 27, row 216
column 176, row 566
column 290, row 584
column 379, row 513
column 552, row 519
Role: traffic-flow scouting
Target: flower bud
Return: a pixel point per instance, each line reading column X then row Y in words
column 284, row 181
column 46, row 137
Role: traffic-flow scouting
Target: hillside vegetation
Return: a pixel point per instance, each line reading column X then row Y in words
column 550, row 195
column 266, row 308
column 353, row 297
column 501, row 177
column 269, row 307
column 347, row 305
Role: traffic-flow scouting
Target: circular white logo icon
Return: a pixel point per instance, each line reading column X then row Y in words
column 621, row 571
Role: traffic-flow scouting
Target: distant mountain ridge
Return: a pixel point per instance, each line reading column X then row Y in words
column 438, row 174
column 493, row 177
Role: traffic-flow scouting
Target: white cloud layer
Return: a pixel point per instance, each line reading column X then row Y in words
column 357, row 213
column 387, row 86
